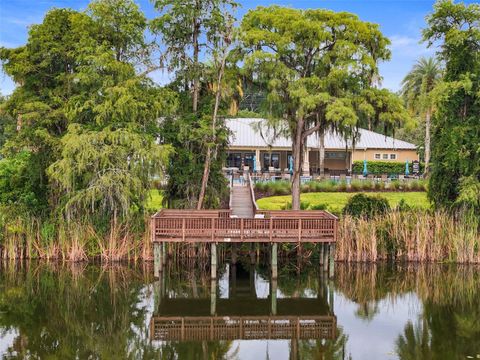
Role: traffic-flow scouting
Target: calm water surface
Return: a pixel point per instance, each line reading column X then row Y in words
column 52, row 311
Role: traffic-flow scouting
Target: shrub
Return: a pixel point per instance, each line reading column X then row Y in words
column 383, row 167
column 379, row 185
column 362, row 205
column 356, row 185
column 318, row 207
column 304, row 205
column 395, row 185
column 274, row 187
column 342, row 186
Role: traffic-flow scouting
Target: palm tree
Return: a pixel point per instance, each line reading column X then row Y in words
column 417, row 89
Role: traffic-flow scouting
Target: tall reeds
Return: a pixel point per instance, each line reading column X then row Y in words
column 410, row 236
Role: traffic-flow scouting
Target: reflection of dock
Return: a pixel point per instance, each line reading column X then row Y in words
column 242, row 328
column 242, row 314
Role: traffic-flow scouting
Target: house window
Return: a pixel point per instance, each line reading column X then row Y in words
column 393, row 156
column 271, row 160
column 385, row 156
column 234, row 160
column 248, row 160
column 377, row 156
column 335, row 155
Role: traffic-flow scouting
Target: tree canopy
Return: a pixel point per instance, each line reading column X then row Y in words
column 455, row 178
column 318, row 68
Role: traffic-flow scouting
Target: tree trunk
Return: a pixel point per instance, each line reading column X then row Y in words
column 208, row 158
column 427, row 139
column 297, row 150
column 321, row 154
column 196, row 51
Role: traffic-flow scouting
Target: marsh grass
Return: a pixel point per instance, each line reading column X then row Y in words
column 441, row 284
column 418, row 236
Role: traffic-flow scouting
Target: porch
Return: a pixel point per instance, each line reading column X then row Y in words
column 276, row 162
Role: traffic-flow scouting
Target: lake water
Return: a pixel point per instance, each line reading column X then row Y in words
column 54, row 311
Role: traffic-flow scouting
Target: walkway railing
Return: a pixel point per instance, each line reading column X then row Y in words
column 252, row 192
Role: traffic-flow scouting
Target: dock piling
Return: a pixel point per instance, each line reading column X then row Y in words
column 213, row 257
column 332, row 260
column 274, row 260
column 157, row 259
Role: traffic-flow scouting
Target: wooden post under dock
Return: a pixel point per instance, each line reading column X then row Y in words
column 213, row 257
column 274, row 250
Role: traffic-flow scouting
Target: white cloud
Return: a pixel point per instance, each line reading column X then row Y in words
column 409, row 46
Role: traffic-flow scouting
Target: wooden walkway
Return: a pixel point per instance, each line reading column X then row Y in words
column 241, row 202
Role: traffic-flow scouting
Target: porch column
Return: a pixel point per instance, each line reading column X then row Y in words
column 306, row 163
column 257, row 165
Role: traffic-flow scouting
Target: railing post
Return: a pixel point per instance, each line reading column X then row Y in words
column 271, row 228
column 241, row 229
column 299, row 230
column 183, row 229
column 213, row 229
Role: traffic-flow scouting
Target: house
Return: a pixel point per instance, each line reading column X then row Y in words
column 250, row 139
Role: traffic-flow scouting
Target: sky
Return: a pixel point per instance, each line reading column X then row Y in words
column 400, row 20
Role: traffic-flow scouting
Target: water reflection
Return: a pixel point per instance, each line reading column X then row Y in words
column 122, row 312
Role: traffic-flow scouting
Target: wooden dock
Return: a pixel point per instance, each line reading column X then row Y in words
column 244, row 223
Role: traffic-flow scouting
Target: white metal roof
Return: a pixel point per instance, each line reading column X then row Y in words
column 248, row 132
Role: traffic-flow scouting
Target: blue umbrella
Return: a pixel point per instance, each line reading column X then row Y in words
column 290, row 165
column 407, row 170
column 365, row 171
column 254, row 163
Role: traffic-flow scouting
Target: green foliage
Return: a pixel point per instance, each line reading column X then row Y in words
column 185, row 168
column 105, row 172
column 304, row 205
column 316, row 67
column 336, row 201
column 87, row 125
column 362, row 205
column 19, row 182
column 383, row 167
column 274, row 187
column 456, row 126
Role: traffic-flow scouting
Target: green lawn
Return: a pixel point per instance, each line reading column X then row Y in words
column 335, row 201
column 155, row 202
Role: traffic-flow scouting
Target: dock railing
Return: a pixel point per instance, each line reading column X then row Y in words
column 219, row 226
column 246, row 328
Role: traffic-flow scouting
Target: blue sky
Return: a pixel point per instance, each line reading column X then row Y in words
column 400, row 20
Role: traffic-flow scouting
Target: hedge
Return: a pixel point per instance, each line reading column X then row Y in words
column 383, row 167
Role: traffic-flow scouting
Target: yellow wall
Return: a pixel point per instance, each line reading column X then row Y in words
column 369, row 155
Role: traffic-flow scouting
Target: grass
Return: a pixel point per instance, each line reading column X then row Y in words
column 155, row 200
column 335, row 201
